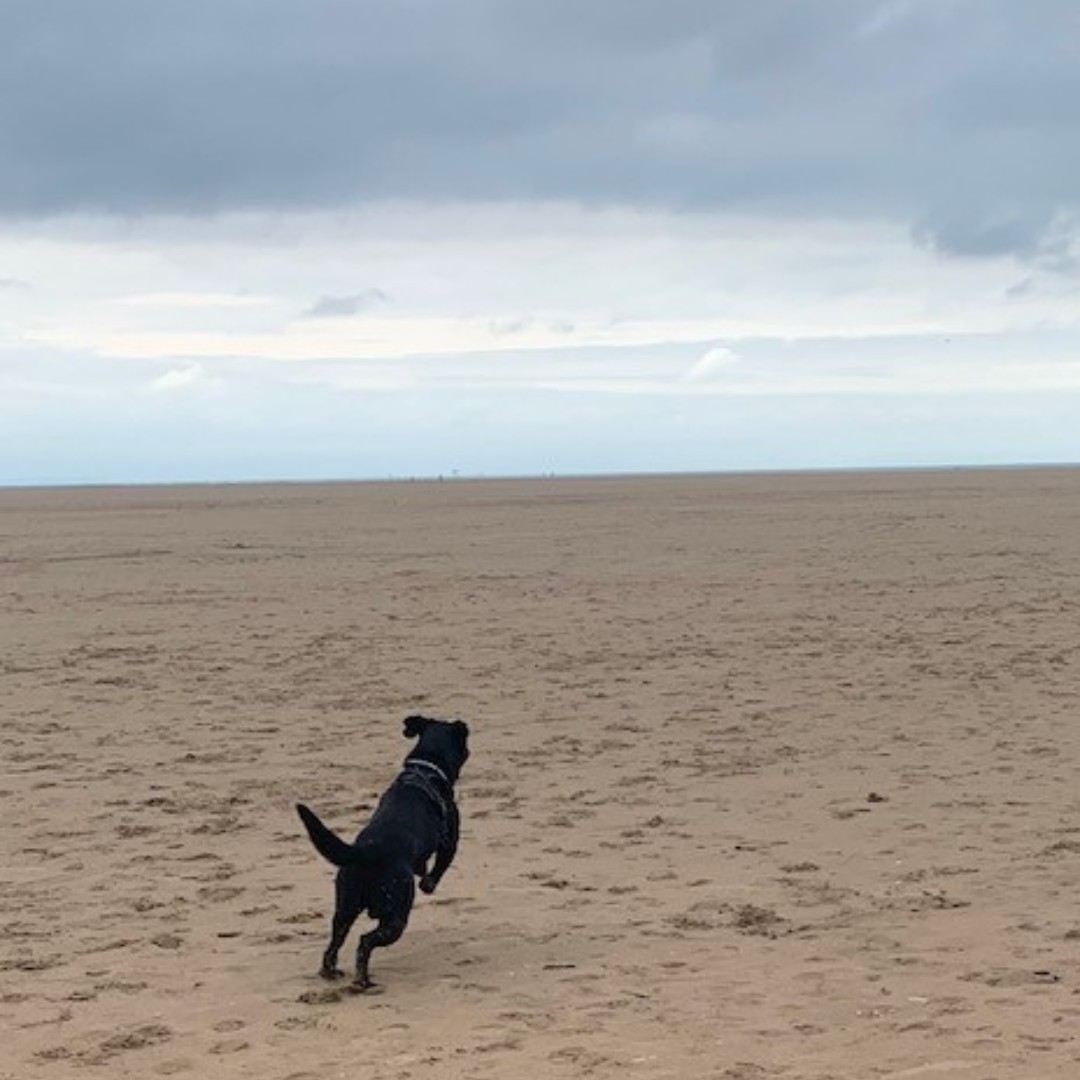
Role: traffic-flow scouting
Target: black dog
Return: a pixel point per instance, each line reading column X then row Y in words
column 416, row 818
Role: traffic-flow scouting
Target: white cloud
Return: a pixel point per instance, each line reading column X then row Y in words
column 193, row 377
column 717, row 361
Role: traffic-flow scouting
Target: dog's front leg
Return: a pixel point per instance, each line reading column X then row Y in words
column 445, row 853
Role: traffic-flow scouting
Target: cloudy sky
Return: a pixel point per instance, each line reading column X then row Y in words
column 337, row 238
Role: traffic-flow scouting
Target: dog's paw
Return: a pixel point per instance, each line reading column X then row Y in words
column 428, row 884
column 331, row 973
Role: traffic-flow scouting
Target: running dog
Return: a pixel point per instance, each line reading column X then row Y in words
column 416, row 818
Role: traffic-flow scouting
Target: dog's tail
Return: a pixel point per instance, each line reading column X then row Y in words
column 328, row 844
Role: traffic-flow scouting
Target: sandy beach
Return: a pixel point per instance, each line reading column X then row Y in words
column 771, row 776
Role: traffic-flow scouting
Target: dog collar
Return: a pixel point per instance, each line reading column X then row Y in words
column 428, row 765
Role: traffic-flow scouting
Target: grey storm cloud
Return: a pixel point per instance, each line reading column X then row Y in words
column 957, row 115
column 1044, row 239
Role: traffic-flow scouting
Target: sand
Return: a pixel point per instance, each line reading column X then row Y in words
column 771, row 777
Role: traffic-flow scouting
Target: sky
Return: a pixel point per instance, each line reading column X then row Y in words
column 266, row 239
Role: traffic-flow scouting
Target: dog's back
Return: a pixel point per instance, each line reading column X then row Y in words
column 408, row 821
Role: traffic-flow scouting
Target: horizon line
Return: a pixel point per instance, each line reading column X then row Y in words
column 455, row 476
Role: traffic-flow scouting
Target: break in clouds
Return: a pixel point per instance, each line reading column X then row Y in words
column 954, row 117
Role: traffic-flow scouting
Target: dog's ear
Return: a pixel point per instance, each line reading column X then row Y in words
column 414, row 725
column 462, row 729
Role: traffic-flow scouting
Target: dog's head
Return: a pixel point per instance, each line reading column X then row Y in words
column 442, row 742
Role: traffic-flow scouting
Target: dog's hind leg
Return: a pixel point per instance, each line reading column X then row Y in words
column 339, row 930
column 386, row 933
column 346, row 909
column 392, row 912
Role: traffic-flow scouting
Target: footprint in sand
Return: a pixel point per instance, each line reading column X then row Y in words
column 296, row 1023
column 302, row 917
column 584, row 1061
column 120, row 986
column 219, row 893
column 228, row 1025
column 120, row 1043
column 230, row 1046
column 171, row 1068
column 329, row 996
column 136, row 1039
